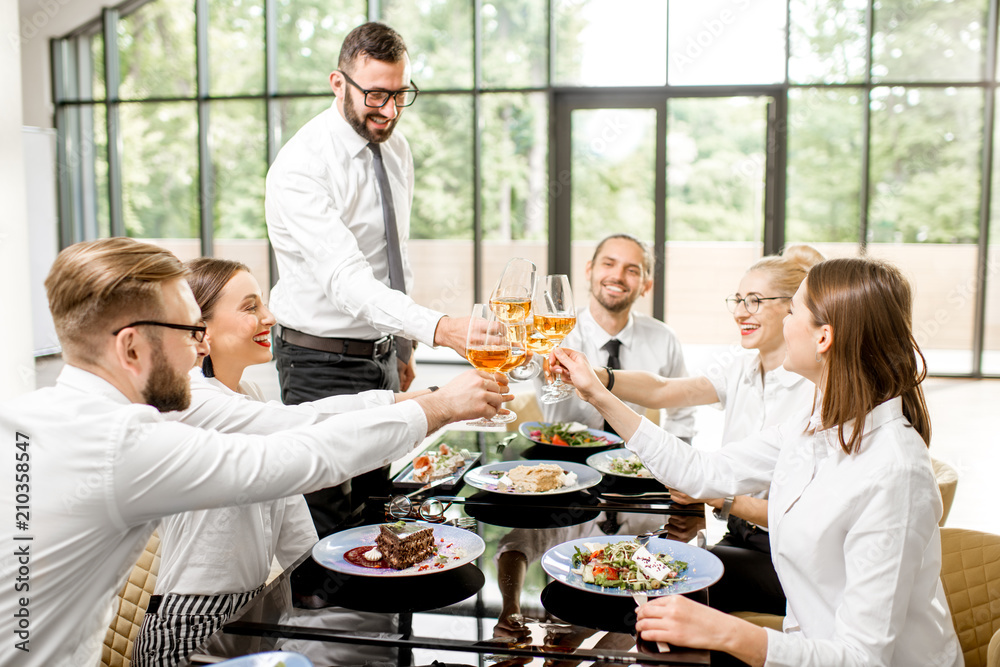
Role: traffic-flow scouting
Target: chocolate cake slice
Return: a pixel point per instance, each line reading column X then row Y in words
column 403, row 544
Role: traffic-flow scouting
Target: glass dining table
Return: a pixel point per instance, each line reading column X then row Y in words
column 500, row 608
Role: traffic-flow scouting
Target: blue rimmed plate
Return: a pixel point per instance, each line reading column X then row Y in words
column 704, row 567
column 270, row 659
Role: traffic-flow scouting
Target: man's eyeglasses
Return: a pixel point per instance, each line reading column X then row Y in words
column 751, row 302
column 197, row 332
column 376, row 99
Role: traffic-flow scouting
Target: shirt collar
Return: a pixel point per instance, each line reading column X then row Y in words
column 339, row 126
column 881, row 414
column 596, row 333
column 86, row 382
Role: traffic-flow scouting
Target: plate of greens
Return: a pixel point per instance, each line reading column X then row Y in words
column 573, row 435
column 620, row 463
column 606, row 564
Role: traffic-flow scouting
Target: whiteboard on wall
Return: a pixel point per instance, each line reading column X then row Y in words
column 43, row 226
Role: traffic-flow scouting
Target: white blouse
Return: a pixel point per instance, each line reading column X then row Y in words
column 229, row 550
column 854, row 539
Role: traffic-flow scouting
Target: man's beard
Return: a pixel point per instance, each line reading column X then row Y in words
column 166, row 389
column 361, row 127
column 618, row 306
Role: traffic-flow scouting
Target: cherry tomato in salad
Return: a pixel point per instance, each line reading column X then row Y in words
column 610, row 573
column 556, row 440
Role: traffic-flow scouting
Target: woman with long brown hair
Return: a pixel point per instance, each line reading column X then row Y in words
column 853, row 508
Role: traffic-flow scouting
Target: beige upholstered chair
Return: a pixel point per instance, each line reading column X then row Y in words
column 947, row 479
column 132, row 602
column 970, row 573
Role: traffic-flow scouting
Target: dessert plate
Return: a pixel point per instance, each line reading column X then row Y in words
column 704, row 567
column 487, row 477
column 456, row 547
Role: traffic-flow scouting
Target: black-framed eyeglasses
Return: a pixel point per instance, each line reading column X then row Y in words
column 431, row 509
column 751, row 302
column 197, row 332
column 376, row 99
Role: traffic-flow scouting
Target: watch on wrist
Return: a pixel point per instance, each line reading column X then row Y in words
column 722, row 513
column 433, row 388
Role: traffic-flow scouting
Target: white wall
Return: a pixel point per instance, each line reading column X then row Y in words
column 41, row 20
column 17, row 368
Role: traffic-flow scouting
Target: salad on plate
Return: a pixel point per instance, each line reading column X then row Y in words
column 627, row 565
column 567, row 434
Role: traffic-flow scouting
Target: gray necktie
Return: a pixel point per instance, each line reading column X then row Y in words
column 404, row 346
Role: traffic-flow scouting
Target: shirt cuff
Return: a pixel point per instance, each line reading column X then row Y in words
column 645, row 438
column 377, row 398
column 416, row 421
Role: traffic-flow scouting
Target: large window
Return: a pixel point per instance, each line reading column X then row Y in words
column 860, row 126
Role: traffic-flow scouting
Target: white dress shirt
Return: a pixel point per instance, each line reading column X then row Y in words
column 324, row 219
column 754, row 401
column 647, row 345
column 854, row 539
column 104, row 471
column 229, row 550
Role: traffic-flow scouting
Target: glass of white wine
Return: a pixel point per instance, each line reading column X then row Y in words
column 488, row 348
column 511, row 301
column 554, row 316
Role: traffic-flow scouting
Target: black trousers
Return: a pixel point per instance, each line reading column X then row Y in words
column 309, row 375
column 749, row 582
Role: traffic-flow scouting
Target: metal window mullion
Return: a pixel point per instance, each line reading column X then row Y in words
column 67, row 211
column 986, row 196
column 864, row 195
column 477, row 153
column 112, row 78
column 88, row 157
column 660, row 213
column 775, row 173
column 206, row 178
column 273, row 117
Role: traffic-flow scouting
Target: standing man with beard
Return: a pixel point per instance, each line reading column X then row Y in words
column 338, row 215
column 610, row 334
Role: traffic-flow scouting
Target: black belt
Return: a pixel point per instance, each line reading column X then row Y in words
column 349, row 347
column 154, row 604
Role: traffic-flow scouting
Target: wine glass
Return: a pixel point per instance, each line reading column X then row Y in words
column 554, row 316
column 511, row 301
column 488, row 348
column 511, row 298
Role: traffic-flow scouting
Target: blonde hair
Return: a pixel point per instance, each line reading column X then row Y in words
column 874, row 356
column 788, row 269
column 94, row 287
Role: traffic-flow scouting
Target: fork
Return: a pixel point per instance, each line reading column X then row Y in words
column 643, row 539
column 431, row 485
column 465, row 522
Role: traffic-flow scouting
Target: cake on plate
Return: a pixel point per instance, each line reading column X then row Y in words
column 537, row 478
column 403, row 544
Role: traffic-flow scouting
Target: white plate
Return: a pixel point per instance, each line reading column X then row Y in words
column 458, row 545
column 704, row 567
column 602, row 461
column 482, row 477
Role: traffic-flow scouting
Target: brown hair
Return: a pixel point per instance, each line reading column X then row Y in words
column 95, row 287
column 648, row 260
column 873, row 357
column 371, row 40
column 208, row 277
column 788, row 269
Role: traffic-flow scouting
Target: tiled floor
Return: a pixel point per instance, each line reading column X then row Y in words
column 961, row 410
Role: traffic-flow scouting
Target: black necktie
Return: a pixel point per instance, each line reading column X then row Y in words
column 404, row 346
column 612, row 347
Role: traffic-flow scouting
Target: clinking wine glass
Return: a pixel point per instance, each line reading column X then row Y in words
column 488, row 348
column 511, row 302
column 554, row 316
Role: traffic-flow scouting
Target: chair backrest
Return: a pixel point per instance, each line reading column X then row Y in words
column 132, row 602
column 947, row 480
column 970, row 574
